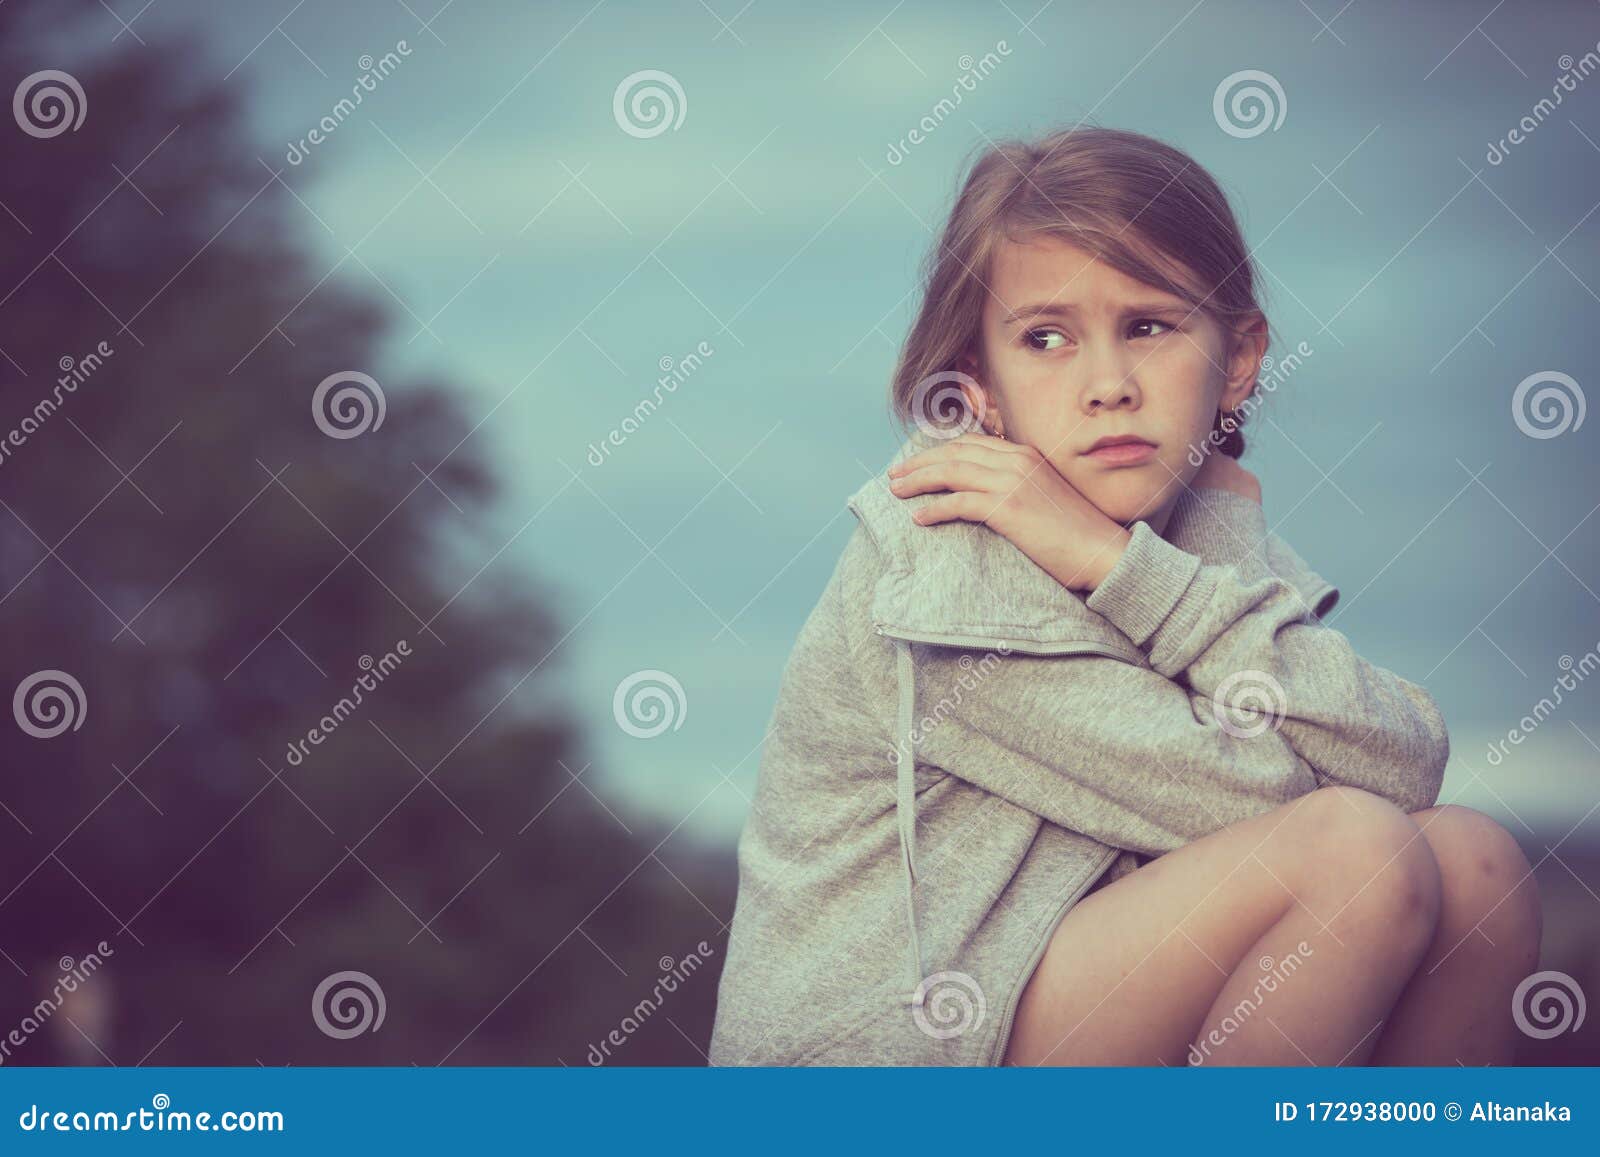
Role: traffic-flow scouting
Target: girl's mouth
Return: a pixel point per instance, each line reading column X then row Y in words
column 1123, row 453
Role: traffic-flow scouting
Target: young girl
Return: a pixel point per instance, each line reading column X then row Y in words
column 1065, row 767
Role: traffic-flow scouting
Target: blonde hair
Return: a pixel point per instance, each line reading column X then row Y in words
column 1143, row 207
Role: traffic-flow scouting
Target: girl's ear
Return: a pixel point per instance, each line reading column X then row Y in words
column 980, row 400
column 1249, row 345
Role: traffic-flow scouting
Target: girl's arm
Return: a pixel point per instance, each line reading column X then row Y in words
column 1092, row 743
column 1095, row 744
column 1151, row 757
column 1250, row 645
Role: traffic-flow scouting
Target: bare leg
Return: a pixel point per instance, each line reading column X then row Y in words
column 1152, row 968
column 1457, row 1007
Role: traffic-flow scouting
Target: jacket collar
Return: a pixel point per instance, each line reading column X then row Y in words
column 962, row 584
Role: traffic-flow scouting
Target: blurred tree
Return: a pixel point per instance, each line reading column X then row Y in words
column 180, row 535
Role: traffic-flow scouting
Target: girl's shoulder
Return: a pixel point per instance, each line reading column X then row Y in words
column 1319, row 594
column 956, row 581
column 960, row 582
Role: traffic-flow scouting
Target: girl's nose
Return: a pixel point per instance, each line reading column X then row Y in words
column 1110, row 385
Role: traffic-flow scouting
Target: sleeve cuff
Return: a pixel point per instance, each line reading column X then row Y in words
column 1141, row 590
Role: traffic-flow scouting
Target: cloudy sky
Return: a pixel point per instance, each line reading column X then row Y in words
column 550, row 262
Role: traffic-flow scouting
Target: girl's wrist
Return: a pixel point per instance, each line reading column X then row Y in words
column 1111, row 554
column 1087, row 575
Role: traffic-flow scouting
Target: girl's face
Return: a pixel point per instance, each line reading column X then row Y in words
column 1076, row 351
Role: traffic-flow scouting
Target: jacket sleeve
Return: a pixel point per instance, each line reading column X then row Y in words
column 1089, row 742
column 1096, row 744
column 1253, row 648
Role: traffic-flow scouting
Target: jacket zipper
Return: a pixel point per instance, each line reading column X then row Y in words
column 998, row 1057
column 1066, row 647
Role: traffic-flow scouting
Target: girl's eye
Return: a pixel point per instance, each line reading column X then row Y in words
column 1040, row 339
column 1037, row 337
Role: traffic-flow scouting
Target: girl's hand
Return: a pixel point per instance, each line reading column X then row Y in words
column 1015, row 491
column 1219, row 472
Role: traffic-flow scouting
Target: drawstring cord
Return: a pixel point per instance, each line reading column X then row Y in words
column 906, row 805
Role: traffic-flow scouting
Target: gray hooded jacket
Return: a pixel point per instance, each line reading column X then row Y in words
column 961, row 747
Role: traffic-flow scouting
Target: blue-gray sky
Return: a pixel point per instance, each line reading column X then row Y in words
column 556, row 260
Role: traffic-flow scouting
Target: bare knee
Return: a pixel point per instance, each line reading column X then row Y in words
column 1487, row 883
column 1368, row 856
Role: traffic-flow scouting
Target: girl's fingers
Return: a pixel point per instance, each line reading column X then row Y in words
column 993, row 442
column 966, row 505
column 951, row 474
column 968, row 447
